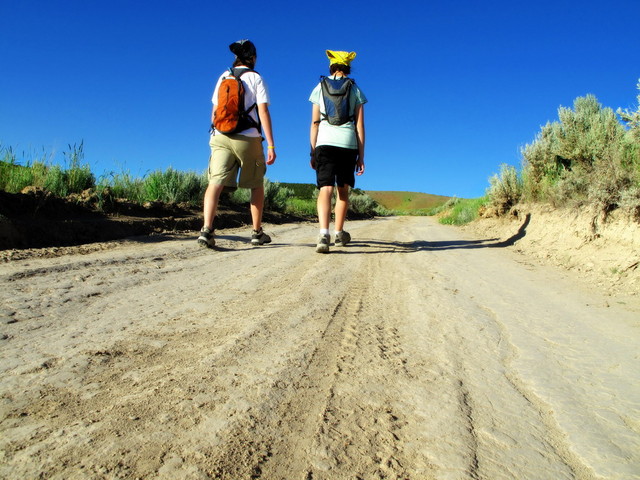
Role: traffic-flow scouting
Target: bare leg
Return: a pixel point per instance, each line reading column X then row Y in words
column 211, row 198
column 342, row 205
column 324, row 206
column 257, row 206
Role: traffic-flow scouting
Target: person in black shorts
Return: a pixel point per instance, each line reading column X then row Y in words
column 337, row 144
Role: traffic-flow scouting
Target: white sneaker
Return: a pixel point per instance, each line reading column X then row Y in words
column 323, row 243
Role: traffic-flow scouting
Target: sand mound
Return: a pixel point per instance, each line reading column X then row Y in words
column 603, row 250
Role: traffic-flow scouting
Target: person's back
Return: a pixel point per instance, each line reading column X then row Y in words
column 237, row 158
column 337, row 145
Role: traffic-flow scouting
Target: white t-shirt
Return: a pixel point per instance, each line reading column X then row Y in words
column 337, row 135
column 255, row 91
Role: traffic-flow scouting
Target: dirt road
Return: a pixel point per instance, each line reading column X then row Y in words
column 413, row 353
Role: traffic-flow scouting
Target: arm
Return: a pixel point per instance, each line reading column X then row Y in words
column 360, row 135
column 313, row 133
column 265, row 121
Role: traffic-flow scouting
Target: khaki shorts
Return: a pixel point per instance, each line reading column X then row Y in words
column 230, row 153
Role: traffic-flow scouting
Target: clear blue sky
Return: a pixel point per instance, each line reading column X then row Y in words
column 455, row 88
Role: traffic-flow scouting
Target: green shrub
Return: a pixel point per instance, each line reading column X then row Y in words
column 40, row 173
column 240, row 196
column 173, row 186
column 362, row 204
column 276, row 196
column 462, row 211
column 588, row 156
column 301, row 190
column 632, row 119
column 122, row 185
column 505, row 190
column 303, row 207
column 448, row 205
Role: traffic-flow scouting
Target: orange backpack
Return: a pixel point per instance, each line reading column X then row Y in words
column 230, row 115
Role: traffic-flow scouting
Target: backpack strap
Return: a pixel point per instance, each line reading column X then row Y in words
column 238, row 72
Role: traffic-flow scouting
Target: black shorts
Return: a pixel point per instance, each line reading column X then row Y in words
column 335, row 166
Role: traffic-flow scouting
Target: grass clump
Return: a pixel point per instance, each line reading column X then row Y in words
column 302, row 207
column 75, row 177
column 458, row 211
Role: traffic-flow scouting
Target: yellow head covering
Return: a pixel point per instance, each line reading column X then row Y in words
column 343, row 58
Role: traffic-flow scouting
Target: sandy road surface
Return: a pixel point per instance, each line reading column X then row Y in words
column 413, row 353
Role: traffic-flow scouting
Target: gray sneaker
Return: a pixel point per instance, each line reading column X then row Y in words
column 206, row 238
column 323, row 243
column 259, row 237
column 342, row 239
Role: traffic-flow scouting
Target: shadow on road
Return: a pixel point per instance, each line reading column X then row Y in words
column 378, row 246
column 367, row 246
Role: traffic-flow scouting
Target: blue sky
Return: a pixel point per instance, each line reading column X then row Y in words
column 455, row 88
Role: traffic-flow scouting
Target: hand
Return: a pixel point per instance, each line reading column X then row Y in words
column 271, row 156
column 312, row 160
column 360, row 166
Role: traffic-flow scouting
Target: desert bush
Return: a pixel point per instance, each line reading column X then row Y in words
column 586, row 157
column 173, row 186
column 359, row 203
column 301, row 190
column 275, row 196
column 362, row 204
column 632, row 118
column 240, row 196
column 505, row 189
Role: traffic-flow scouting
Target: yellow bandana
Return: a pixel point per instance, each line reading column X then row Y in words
column 343, row 58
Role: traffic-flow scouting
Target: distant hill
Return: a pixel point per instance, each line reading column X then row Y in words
column 398, row 201
column 407, row 201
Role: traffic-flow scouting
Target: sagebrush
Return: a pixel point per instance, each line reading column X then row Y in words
column 589, row 156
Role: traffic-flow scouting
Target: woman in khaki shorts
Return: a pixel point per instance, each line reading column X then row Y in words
column 241, row 153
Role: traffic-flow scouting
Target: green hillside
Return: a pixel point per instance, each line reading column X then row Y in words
column 407, row 201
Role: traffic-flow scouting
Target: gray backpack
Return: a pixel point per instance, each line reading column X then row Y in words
column 336, row 94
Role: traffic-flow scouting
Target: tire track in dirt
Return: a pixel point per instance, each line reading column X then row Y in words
column 309, row 432
column 394, row 358
column 137, row 357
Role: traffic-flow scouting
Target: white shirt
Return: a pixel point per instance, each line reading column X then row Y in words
column 337, row 135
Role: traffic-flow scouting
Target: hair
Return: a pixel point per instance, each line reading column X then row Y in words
column 339, row 67
column 245, row 52
column 249, row 62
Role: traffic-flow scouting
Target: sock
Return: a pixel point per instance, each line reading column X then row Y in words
column 324, row 231
column 337, row 232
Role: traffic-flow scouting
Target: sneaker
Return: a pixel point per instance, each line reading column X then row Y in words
column 206, row 238
column 342, row 239
column 323, row 243
column 259, row 237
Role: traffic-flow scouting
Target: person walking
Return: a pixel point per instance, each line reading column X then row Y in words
column 337, row 144
column 237, row 157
